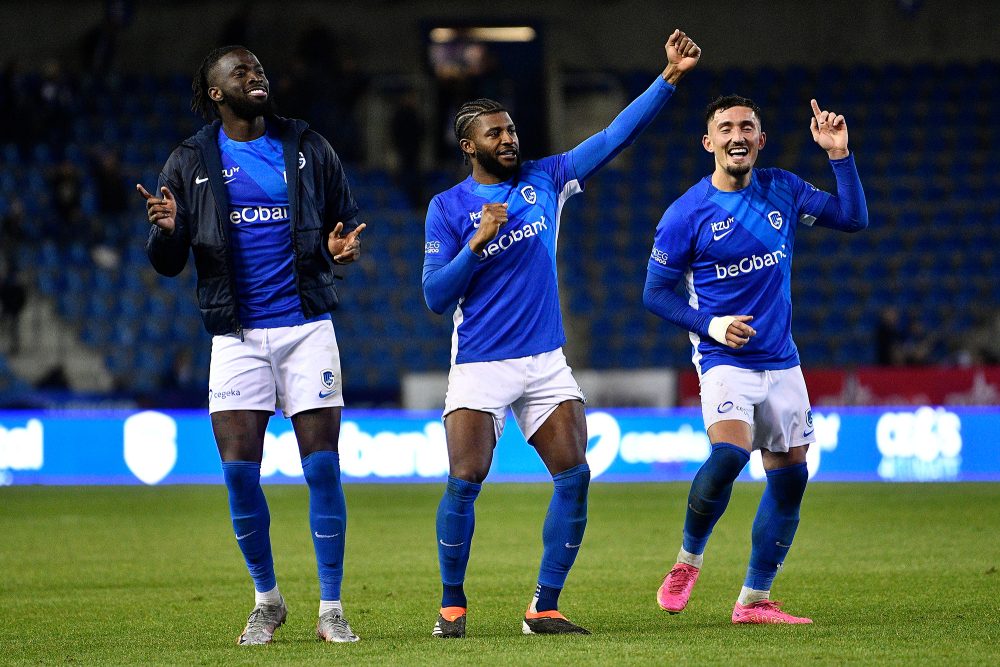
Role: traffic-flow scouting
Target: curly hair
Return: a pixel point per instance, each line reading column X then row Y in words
column 201, row 103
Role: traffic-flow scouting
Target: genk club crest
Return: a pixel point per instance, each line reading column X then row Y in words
column 774, row 217
column 529, row 194
column 328, row 378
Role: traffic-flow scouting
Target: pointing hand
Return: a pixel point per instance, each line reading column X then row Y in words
column 160, row 211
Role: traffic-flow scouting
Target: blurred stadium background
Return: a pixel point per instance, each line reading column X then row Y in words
column 94, row 96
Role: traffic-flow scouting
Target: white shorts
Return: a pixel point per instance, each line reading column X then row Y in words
column 294, row 368
column 774, row 403
column 531, row 386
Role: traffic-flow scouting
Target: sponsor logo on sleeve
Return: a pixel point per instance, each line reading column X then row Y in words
column 659, row 256
column 432, row 247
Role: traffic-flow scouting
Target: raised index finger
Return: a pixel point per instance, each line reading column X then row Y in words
column 142, row 191
column 815, row 107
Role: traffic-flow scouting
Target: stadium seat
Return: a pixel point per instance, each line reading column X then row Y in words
column 933, row 203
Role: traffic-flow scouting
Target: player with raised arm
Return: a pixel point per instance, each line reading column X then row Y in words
column 731, row 238
column 264, row 204
column 490, row 254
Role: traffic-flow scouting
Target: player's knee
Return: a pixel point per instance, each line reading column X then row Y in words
column 233, row 450
column 467, row 472
column 574, row 476
column 778, row 460
column 723, row 466
column 320, row 471
column 313, row 445
column 573, row 483
column 787, row 485
column 729, row 457
column 241, row 478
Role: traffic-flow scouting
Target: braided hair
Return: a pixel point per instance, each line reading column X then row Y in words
column 201, row 103
column 469, row 112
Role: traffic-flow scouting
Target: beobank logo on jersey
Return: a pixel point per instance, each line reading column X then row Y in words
column 504, row 241
column 258, row 214
column 750, row 264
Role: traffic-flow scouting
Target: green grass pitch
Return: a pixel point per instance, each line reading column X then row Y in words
column 891, row 574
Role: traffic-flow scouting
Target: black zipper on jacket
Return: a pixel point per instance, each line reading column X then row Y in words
column 294, row 203
column 232, row 270
column 224, row 232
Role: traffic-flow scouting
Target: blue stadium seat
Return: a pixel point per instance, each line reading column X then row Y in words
column 932, row 197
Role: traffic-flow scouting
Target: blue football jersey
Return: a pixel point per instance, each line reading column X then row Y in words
column 511, row 306
column 260, row 232
column 734, row 252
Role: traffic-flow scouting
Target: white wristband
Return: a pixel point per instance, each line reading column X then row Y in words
column 718, row 326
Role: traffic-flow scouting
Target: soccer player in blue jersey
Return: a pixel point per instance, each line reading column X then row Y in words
column 490, row 255
column 263, row 203
column 731, row 237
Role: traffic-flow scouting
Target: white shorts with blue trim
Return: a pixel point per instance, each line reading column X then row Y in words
column 532, row 387
column 294, row 368
column 774, row 403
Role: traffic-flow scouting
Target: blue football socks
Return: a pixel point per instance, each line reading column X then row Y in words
column 456, row 521
column 251, row 520
column 562, row 534
column 710, row 492
column 775, row 524
column 327, row 519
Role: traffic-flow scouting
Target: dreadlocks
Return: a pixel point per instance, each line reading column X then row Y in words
column 201, row 103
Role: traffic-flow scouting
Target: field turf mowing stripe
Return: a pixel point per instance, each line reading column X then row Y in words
column 890, row 573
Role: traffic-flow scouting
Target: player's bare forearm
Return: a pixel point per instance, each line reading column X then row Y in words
column 672, row 75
